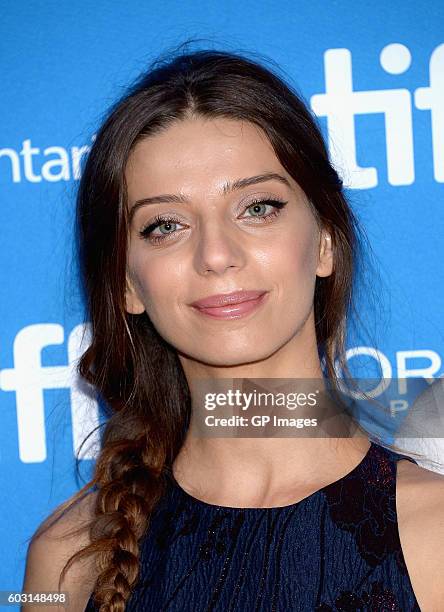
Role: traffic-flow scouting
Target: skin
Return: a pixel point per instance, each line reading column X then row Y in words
column 217, row 248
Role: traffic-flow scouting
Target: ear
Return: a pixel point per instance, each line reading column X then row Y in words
column 132, row 301
column 325, row 265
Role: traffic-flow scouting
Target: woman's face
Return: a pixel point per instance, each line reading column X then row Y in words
column 219, row 240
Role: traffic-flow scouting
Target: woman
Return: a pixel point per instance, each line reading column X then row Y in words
column 209, row 184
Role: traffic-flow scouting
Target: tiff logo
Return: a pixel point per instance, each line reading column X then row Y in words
column 340, row 103
column 28, row 379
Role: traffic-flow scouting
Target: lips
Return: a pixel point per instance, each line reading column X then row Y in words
column 223, row 299
column 234, row 305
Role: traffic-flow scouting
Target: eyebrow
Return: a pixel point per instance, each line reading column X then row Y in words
column 227, row 188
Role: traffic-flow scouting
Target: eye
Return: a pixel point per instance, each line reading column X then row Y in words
column 168, row 223
column 258, row 208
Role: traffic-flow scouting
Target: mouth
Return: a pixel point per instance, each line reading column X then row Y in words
column 230, row 306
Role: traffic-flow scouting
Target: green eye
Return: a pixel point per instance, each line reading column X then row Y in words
column 257, row 208
column 167, row 224
column 160, row 222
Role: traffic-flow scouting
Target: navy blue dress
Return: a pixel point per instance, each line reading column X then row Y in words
column 336, row 550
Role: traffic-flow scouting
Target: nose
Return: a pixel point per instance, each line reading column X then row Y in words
column 219, row 248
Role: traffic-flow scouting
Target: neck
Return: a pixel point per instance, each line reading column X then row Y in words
column 252, row 469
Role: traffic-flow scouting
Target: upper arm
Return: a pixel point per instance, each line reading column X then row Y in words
column 48, row 553
column 420, row 501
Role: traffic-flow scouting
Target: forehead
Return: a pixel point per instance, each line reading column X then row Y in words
column 199, row 154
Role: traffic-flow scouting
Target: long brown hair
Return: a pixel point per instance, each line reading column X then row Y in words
column 136, row 372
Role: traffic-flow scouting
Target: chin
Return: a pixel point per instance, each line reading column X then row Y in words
column 228, row 357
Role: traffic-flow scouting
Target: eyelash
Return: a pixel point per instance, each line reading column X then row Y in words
column 146, row 232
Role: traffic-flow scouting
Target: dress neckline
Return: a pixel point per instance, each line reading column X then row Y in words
column 199, row 502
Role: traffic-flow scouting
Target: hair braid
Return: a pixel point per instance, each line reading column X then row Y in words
column 128, row 488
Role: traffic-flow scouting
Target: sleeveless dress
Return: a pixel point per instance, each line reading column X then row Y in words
column 337, row 550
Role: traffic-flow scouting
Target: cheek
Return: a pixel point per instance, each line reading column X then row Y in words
column 292, row 258
column 159, row 279
column 293, row 267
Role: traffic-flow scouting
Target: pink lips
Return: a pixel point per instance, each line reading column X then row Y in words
column 230, row 305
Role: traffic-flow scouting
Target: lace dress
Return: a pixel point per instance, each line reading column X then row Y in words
column 336, row 550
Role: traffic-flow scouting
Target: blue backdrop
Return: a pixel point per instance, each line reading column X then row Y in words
column 374, row 74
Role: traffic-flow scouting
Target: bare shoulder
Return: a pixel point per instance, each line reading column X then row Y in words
column 420, row 510
column 50, row 550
